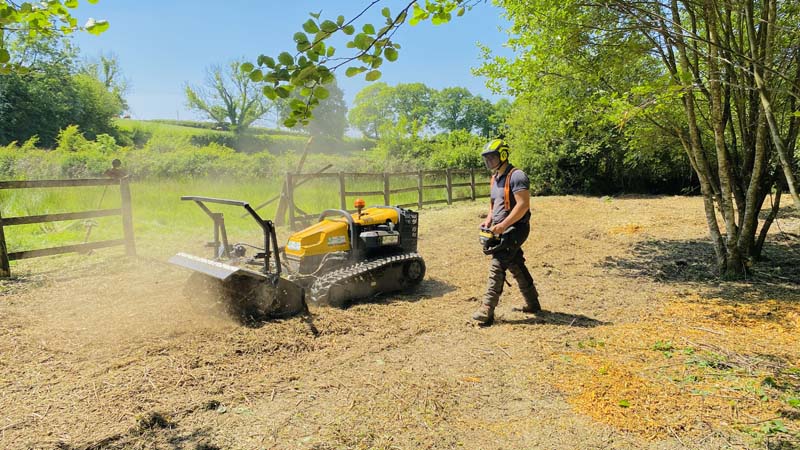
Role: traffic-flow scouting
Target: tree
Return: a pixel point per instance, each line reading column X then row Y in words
column 50, row 18
column 457, row 109
column 50, row 95
column 415, row 102
column 371, row 109
column 107, row 70
column 713, row 58
column 229, row 97
column 497, row 118
column 330, row 119
column 379, row 104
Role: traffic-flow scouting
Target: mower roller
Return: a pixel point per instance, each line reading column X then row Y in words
column 341, row 258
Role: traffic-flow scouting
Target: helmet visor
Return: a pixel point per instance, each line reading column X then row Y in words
column 491, row 160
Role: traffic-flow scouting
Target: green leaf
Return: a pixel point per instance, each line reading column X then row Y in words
column 96, row 26
column 328, row 26
column 330, row 52
column 310, row 26
column 369, row 29
column 264, row 60
column 256, row 76
column 390, row 53
column 71, row 3
column 340, row 20
column 290, row 122
column 282, row 92
column 373, row 75
column 297, row 104
column 321, row 93
column 386, row 13
column 269, row 92
column 353, row 71
column 624, row 403
column 315, row 15
column 286, row 59
column 349, row 29
column 304, row 74
column 4, row 56
column 93, row 2
column 460, row 12
column 362, row 41
column 246, row 67
column 300, row 37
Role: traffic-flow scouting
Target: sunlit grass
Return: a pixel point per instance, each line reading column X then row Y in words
column 158, row 212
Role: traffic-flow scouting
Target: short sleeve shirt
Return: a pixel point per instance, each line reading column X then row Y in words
column 518, row 182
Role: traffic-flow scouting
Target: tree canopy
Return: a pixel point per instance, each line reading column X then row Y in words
column 46, row 18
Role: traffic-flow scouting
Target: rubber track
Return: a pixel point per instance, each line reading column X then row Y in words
column 360, row 271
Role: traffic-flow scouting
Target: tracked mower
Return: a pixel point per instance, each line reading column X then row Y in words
column 343, row 257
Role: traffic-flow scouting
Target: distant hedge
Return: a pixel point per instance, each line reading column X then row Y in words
column 200, row 134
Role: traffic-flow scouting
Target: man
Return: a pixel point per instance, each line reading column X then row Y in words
column 509, row 217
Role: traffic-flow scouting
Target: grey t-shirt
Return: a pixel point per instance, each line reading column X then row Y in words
column 518, row 182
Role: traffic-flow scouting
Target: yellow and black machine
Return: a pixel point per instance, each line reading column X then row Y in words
column 343, row 257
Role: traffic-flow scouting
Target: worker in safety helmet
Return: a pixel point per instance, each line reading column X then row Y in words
column 508, row 225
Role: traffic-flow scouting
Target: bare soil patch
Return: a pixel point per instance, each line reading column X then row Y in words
column 642, row 348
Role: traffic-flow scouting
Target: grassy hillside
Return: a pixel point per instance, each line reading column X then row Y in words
column 256, row 139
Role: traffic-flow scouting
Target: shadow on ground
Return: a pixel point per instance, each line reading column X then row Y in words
column 429, row 288
column 776, row 275
column 557, row 318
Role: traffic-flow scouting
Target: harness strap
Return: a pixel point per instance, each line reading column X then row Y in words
column 506, row 190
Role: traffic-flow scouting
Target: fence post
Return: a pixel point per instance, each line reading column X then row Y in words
column 386, row 199
column 127, row 216
column 472, row 182
column 5, row 266
column 290, row 198
column 342, row 197
column 420, row 178
column 449, row 183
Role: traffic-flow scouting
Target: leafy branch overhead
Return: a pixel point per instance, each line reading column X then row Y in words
column 46, row 18
column 311, row 66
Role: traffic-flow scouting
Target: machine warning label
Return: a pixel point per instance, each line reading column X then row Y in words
column 336, row 240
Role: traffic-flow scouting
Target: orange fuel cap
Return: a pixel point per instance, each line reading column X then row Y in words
column 359, row 203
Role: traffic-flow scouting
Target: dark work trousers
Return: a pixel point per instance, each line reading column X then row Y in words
column 512, row 259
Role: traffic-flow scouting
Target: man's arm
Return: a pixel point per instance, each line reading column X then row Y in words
column 488, row 220
column 523, row 205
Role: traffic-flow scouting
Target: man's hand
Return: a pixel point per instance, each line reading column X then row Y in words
column 499, row 228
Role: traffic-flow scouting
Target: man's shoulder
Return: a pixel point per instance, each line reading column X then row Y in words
column 518, row 176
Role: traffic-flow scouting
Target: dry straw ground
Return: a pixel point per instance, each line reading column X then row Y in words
column 642, row 348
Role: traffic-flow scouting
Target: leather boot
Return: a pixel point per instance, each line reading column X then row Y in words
column 484, row 315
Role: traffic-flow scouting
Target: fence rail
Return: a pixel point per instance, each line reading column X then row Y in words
column 294, row 180
column 125, row 211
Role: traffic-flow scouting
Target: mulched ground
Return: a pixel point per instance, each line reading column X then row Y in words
column 642, row 347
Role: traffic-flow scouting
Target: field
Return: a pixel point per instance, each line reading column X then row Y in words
column 642, row 346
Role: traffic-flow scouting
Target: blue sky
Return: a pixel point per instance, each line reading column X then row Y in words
column 162, row 46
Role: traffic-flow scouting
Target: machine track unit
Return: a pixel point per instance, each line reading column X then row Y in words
column 343, row 257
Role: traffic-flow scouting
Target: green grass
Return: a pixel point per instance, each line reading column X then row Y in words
column 159, row 212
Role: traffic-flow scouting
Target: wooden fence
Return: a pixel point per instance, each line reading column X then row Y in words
column 294, row 180
column 124, row 211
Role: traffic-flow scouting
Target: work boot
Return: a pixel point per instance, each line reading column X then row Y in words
column 531, row 304
column 484, row 315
